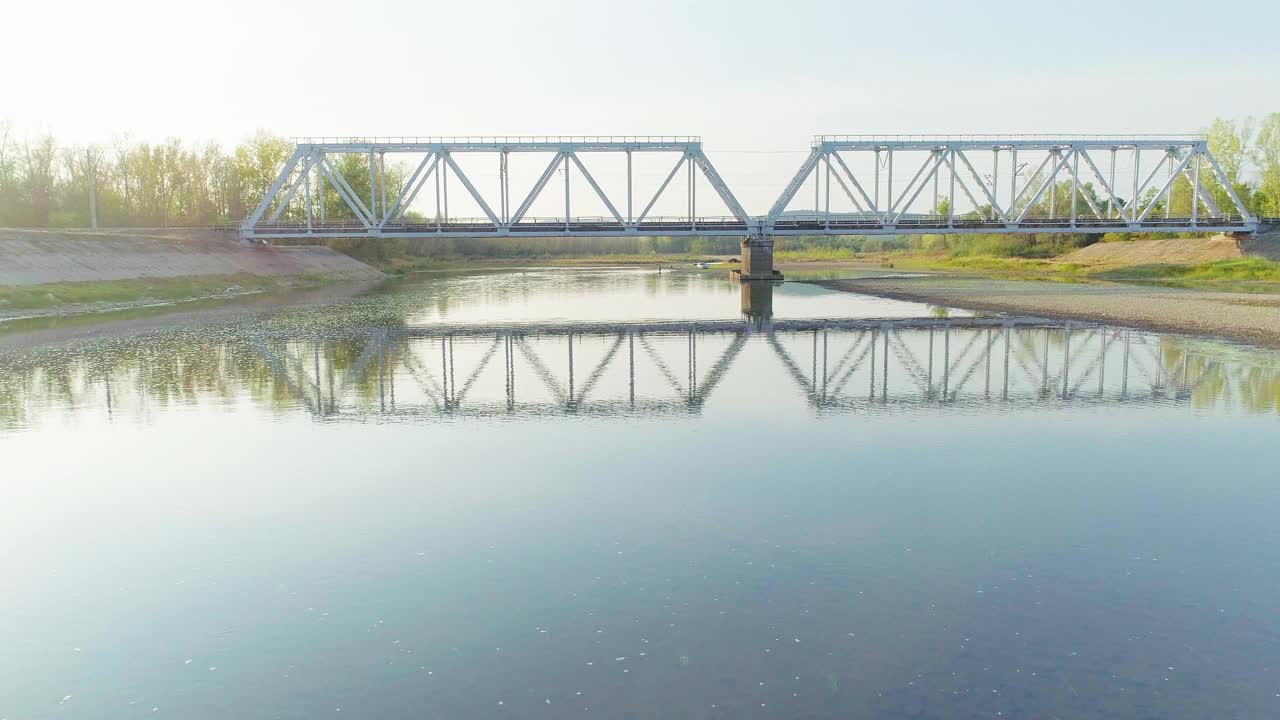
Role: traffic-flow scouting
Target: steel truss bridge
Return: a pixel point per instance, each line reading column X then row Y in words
column 870, row 366
column 861, row 185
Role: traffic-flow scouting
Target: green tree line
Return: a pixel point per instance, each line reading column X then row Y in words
column 47, row 184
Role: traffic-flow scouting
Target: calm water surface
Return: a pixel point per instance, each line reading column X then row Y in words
column 608, row 494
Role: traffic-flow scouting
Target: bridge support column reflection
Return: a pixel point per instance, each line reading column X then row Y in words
column 757, row 301
column 874, row 336
column 570, row 404
column 884, row 382
column 986, row 388
column 946, row 362
column 1124, row 369
column 1066, row 359
column 1005, row 394
column 509, row 353
column 1102, row 361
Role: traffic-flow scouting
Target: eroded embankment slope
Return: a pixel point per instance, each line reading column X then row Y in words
column 34, row 257
column 1177, row 251
column 1266, row 245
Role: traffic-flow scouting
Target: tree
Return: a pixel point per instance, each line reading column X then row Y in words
column 256, row 164
column 944, row 207
column 9, row 201
column 1266, row 156
column 38, row 173
column 1229, row 143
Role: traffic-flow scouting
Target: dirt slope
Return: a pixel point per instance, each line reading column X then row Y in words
column 1182, row 251
column 31, row 257
column 1265, row 245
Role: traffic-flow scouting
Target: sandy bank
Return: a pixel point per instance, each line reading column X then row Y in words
column 1178, row 251
column 1233, row 316
column 35, row 257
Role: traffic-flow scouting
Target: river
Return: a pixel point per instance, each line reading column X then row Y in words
column 608, row 493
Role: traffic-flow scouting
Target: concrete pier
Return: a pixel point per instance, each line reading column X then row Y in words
column 757, row 259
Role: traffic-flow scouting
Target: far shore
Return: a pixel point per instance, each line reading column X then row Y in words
column 96, row 278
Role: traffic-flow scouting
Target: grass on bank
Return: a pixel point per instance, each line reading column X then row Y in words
column 818, row 254
column 984, row 263
column 107, row 292
column 1243, row 270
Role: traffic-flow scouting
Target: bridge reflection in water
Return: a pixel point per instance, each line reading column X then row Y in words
column 390, row 372
column 834, row 366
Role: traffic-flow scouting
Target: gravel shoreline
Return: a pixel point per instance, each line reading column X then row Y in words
column 1228, row 315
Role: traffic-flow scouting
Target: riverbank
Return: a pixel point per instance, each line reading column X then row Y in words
column 1215, row 262
column 80, row 298
column 45, row 272
column 65, row 327
column 1244, row 317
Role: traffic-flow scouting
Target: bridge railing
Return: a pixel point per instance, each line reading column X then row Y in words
column 493, row 139
column 576, row 220
column 1004, row 140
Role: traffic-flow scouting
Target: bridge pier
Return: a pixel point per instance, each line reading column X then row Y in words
column 757, row 259
column 757, row 302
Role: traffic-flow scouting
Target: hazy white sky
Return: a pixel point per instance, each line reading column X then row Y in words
column 742, row 74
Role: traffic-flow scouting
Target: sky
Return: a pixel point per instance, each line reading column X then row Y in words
column 755, row 80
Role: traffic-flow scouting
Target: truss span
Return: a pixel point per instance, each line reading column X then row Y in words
column 396, row 206
column 861, row 185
